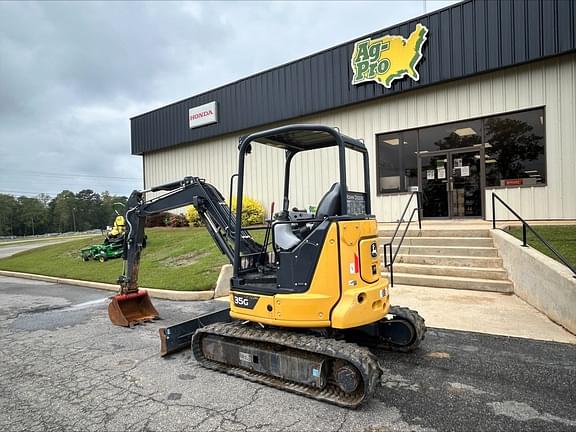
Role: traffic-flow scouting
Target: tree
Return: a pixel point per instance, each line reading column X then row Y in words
column 61, row 208
column 32, row 216
column 513, row 143
column 87, row 210
column 8, row 208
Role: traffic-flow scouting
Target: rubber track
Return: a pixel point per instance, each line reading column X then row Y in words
column 360, row 357
column 417, row 322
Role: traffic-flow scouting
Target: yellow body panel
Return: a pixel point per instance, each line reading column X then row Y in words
column 359, row 303
column 346, row 290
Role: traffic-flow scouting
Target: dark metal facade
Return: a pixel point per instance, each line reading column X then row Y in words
column 469, row 38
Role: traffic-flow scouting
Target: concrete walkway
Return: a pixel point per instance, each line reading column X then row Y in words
column 481, row 312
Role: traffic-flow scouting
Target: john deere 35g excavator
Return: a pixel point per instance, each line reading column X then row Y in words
column 306, row 305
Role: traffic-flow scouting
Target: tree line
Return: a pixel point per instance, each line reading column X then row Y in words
column 68, row 211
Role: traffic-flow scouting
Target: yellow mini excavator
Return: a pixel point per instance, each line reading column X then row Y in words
column 308, row 303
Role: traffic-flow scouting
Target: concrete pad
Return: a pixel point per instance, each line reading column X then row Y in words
column 481, row 312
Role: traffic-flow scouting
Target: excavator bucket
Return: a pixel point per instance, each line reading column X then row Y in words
column 129, row 309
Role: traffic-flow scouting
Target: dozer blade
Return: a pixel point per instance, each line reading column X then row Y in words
column 129, row 309
column 179, row 336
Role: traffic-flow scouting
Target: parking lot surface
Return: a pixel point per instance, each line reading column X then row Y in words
column 63, row 366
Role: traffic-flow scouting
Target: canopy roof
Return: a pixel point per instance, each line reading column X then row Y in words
column 302, row 137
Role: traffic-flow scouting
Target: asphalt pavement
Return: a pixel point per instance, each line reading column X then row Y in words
column 63, row 366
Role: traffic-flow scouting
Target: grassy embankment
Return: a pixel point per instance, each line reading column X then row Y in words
column 562, row 237
column 183, row 259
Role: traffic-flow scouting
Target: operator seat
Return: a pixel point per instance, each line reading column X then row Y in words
column 329, row 205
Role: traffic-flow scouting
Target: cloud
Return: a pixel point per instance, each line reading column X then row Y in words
column 73, row 73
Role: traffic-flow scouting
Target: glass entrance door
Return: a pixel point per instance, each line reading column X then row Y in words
column 451, row 183
column 434, row 179
column 465, row 187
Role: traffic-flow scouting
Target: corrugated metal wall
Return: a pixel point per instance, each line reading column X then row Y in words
column 471, row 37
column 549, row 83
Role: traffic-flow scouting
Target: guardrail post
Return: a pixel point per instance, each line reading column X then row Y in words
column 493, row 212
column 524, row 244
column 419, row 204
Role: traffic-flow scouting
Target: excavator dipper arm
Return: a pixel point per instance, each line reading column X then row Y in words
column 213, row 211
column 131, row 305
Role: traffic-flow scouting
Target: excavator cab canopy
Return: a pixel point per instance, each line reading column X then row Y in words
column 303, row 138
column 293, row 139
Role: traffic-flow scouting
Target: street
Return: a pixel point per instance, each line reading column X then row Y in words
column 63, row 366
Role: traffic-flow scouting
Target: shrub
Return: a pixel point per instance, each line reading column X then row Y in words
column 177, row 221
column 157, row 220
column 252, row 212
column 193, row 217
column 165, row 219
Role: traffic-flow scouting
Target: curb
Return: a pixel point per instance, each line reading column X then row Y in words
column 155, row 293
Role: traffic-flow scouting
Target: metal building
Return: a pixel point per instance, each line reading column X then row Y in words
column 475, row 98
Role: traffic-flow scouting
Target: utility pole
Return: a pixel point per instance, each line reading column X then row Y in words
column 74, row 217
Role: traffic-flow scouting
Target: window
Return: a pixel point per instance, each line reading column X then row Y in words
column 514, row 145
column 514, row 150
column 397, row 164
column 451, row 136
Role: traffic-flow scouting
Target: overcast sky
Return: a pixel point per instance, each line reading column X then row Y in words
column 72, row 74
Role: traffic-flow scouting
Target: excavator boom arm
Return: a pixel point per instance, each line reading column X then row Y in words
column 211, row 206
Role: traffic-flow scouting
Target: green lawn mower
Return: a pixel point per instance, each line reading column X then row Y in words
column 113, row 243
column 102, row 252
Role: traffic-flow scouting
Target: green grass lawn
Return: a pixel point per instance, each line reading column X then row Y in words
column 562, row 237
column 175, row 258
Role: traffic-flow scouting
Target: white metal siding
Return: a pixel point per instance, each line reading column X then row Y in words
column 549, row 83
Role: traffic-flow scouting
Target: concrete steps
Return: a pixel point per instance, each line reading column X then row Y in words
column 461, row 261
column 449, row 251
column 387, row 233
column 457, row 271
column 466, row 283
column 447, row 241
column 463, row 258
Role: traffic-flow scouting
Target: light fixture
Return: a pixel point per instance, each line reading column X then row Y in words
column 394, row 141
column 487, row 145
column 535, row 175
column 490, row 161
column 531, row 171
column 476, row 156
column 467, row 131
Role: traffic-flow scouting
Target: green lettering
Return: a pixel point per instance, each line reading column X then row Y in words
column 374, row 51
column 361, row 68
column 362, row 51
column 383, row 66
column 372, row 69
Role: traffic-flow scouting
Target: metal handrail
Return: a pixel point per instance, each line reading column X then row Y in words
column 525, row 226
column 390, row 265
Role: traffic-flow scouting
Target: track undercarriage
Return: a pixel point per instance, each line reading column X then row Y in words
column 333, row 366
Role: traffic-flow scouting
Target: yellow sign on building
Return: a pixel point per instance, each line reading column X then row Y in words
column 388, row 58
